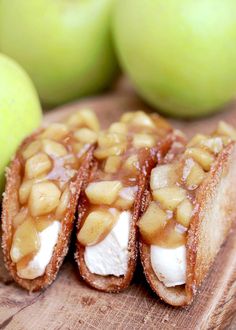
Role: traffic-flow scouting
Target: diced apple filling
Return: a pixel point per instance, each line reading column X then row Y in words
column 103, row 192
column 31, row 149
column 96, row 226
column 25, row 190
column 131, row 164
column 126, row 198
column 112, row 164
column 184, row 213
column 64, row 203
column 226, row 130
column 201, row 156
column 56, row 131
column 138, row 118
column 20, row 217
column 196, row 140
column 44, row 198
column 152, row 223
column 143, row 140
column 84, row 118
column 86, row 135
column 118, row 128
column 214, row 144
column 53, row 149
column 169, row 198
column 25, row 240
column 42, row 222
column 171, row 236
column 193, row 174
column 37, row 165
column 115, row 150
column 163, row 176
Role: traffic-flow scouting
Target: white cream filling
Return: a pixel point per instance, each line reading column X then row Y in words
column 169, row 265
column 48, row 239
column 110, row 256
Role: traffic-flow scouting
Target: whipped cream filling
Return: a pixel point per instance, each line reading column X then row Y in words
column 169, row 265
column 110, row 256
column 48, row 239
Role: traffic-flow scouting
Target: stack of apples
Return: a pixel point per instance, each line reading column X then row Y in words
column 179, row 55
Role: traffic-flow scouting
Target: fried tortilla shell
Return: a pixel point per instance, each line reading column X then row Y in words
column 148, row 159
column 67, row 174
column 214, row 213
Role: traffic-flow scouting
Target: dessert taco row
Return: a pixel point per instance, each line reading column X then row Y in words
column 138, row 175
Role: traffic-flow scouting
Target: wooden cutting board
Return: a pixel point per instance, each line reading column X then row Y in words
column 70, row 304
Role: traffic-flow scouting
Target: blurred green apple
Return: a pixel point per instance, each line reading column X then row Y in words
column 64, row 45
column 20, row 110
column 180, row 55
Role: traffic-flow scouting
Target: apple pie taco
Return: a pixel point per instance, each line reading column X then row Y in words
column 109, row 207
column 43, row 184
column 190, row 210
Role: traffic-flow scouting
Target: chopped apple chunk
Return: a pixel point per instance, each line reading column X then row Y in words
column 169, row 198
column 84, row 117
column 25, row 190
column 226, row 130
column 107, row 140
column 53, row 148
column 42, row 223
column 37, row 165
column 123, row 204
column 142, row 119
column 44, row 198
column 112, row 164
column 104, row 192
column 25, row 241
column 126, row 198
column 85, row 135
column 193, row 174
column 138, row 118
column 96, row 226
column 171, row 236
column 78, row 148
column 152, row 223
column 90, row 119
column 184, row 213
column 64, row 203
column 131, row 163
column 31, row 149
column 116, row 150
column 143, row 140
column 20, row 217
column 196, row 140
column 55, row 131
column 118, row 128
column 127, row 117
column 203, row 157
column 163, row 176
column 214, row 144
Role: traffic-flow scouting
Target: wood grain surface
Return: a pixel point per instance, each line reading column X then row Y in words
column 70, row 304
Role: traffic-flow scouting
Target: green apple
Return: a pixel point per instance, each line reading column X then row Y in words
column 20, row 110
column 180, row 54
column 64, row 45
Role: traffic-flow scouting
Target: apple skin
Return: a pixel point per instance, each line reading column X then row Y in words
column 65, row 46
column 20, row 110
column 180, row 55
